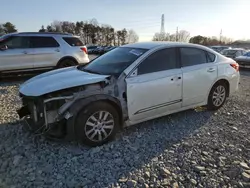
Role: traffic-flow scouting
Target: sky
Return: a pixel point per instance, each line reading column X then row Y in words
column 199, row 17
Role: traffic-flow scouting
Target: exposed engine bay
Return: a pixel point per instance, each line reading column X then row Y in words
column 54, row 114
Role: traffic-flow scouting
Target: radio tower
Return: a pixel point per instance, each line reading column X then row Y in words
column 162, row 24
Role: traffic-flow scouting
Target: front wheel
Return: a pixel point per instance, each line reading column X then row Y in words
column 97, row 124
column 217, row 96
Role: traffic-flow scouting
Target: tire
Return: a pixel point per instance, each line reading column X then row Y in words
column 66, row 63
column 86, row 125
column 221, row 89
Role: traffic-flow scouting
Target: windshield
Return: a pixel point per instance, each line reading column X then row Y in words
column 114, row 62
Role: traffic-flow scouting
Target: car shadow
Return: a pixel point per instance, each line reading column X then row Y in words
column 133, row 148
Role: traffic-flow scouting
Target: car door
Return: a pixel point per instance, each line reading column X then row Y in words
column 18, row 55
column 155, row 86
column 199, row 73
column 46, row 51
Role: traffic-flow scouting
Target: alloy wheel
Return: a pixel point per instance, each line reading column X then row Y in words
column 99, row 126
column 219, row 95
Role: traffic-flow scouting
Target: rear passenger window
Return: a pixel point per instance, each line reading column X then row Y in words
column 192, row 56
column 210, row 57
column 43, row 42
column 73, row 41
column 161, row 60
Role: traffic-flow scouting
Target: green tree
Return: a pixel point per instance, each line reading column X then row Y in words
column 42, row 29
column 199, row 40
column 8, row 28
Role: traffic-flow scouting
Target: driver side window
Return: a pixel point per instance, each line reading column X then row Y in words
column 160, row 60
column 16, row 42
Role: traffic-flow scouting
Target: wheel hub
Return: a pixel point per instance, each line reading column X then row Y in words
column 99, row 126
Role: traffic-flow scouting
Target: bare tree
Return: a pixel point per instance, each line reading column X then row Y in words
column 132, row 36
column 183, row 36
column 160, row 37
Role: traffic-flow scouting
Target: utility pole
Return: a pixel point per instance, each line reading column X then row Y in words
column 177, row 35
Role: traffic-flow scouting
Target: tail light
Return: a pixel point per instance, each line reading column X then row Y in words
column 84, row 49
column 235, row 66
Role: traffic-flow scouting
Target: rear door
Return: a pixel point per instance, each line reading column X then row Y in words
column 18, row 55
column 46, row 51
column 199, row 73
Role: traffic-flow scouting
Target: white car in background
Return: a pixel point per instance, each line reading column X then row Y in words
column 34, row 51
column 128, row 85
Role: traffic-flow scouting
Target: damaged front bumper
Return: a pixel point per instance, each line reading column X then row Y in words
column 46, row 116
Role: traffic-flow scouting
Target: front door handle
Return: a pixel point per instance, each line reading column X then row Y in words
column 25, row 52
column 175, row 78
column 211, row 70
column 57, row 50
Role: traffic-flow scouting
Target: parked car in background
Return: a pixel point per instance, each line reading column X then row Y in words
column 233, row 53
column 31, row 51
column 219, row 48
column 244, row 60
column 128, row 85
column 96, row 50
column 91, row 49
column 109, row 48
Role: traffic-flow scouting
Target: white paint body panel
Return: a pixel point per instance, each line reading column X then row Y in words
column 16, row 59
column 57, row 80
column 148, row 91
column 197, row 81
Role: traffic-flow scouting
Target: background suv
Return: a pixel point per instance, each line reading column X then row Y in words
column 22, row 52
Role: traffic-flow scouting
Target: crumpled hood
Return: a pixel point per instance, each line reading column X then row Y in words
column 57, row 80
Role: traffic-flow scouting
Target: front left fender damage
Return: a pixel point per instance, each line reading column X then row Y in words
column 59, row 122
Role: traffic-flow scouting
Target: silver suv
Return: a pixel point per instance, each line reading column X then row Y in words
column 30, row 51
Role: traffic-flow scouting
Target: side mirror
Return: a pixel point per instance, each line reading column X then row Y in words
column 3, row 47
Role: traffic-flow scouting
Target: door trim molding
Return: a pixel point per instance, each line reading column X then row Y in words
column 157, row 106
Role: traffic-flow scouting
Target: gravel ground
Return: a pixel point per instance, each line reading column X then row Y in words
column 187, row 149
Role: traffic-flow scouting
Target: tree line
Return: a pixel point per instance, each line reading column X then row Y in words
column 184, row 36
column 91, row 32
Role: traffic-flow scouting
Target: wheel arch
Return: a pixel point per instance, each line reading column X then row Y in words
column 66, row 57
column 83, row 103
column 221, row 80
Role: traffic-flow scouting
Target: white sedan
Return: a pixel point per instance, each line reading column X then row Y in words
column 128, row 85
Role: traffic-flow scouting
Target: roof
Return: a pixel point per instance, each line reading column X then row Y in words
column 40, row 33
column 154, row 44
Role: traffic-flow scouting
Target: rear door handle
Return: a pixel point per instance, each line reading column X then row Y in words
column 25, row 52
column 211, row 70
column 57, row 50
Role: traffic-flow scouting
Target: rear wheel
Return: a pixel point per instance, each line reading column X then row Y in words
column 66, row 63
column 217, row 96
column 97, row 124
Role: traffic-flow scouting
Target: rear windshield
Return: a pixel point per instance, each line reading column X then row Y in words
column 73, row 41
